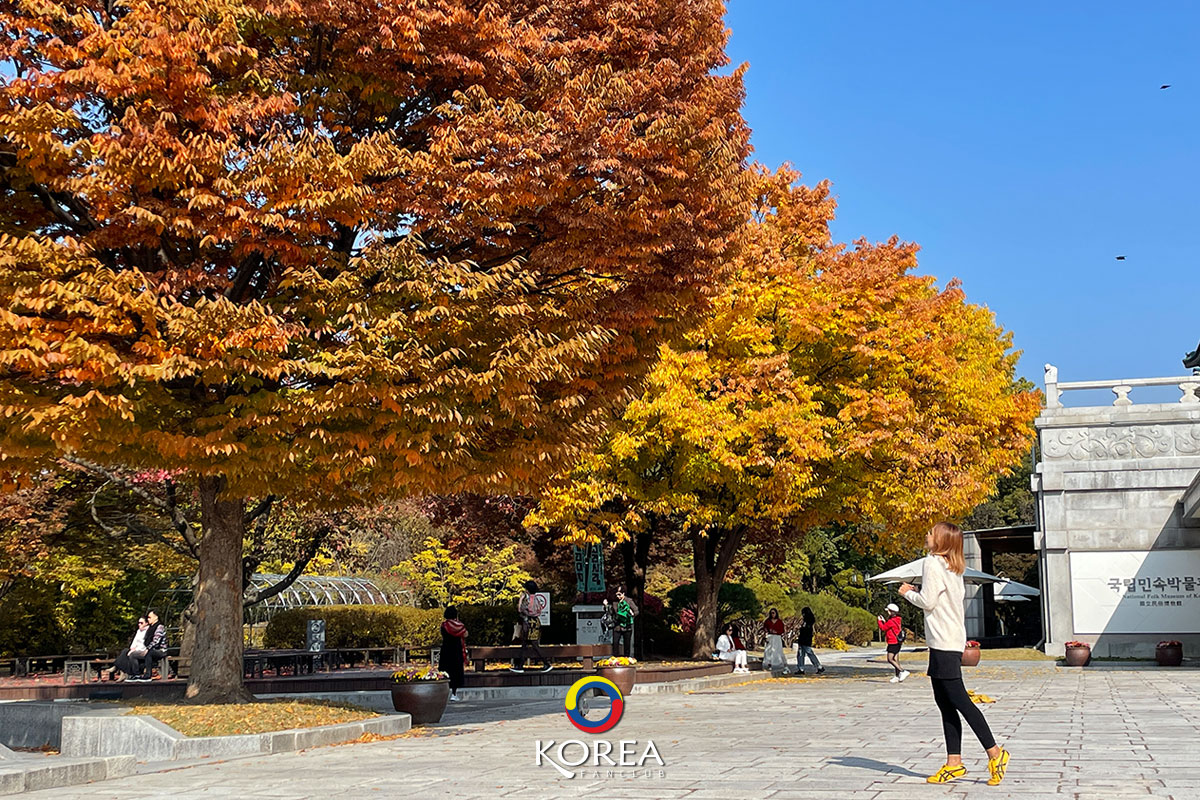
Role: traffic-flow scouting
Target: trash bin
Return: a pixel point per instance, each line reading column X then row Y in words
column 588, row 624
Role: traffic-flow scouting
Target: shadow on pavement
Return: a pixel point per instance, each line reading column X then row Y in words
column 870, row 763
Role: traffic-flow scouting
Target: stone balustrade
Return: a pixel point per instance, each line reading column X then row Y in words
column 1189, row 385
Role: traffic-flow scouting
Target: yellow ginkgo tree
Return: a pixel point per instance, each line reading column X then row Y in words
column 828, row 384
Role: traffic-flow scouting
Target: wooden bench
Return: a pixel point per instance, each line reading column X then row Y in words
column 337, row 657
column 479, row 656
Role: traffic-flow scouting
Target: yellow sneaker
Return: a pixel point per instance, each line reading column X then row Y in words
column 947, row 773
column 997, row 766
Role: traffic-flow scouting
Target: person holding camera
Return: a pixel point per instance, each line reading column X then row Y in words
column 893, row 634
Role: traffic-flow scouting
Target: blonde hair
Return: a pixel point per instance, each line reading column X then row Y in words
column 948, row 543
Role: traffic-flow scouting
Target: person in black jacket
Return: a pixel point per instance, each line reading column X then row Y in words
column 453, row 658
column 156, row 648
column 804, row 640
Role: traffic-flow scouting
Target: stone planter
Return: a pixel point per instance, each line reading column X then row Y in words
column 1169, row 655
column 1078, row 656
column 623, row 677
column 424, row 701
column 970, row 657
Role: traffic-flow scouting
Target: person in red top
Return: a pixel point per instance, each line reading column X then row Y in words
column 773, row 657
column 892, row 628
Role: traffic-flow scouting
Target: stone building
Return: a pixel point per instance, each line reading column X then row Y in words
column 1118, row 516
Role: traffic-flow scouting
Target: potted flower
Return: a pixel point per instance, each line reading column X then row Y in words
column 421, row 692
column 971, row 654
column 1078, row 654
column 621, row 670
column 1169, row 654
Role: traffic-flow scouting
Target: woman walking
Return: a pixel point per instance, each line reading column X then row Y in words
column 773, row 657
column 941, row 598
column 804, row 641
column 453, row 658
column 893, row 628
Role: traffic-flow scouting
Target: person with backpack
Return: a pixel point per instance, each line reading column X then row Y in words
column 893, row 634
column 528, row 629
column 804, row 641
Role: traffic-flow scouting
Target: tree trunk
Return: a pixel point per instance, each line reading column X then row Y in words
column 635, row 555
column 216, row 669
column 712, row 555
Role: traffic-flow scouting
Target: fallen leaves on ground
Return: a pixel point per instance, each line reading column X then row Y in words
column 249, row 718
column 979, row 697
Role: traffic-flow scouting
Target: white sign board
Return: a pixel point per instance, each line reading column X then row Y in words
column 540, row 603
column 1136, row 592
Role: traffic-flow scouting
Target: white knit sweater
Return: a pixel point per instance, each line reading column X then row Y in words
column 941, row 597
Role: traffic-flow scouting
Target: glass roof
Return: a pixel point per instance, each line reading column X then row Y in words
column 307, row 590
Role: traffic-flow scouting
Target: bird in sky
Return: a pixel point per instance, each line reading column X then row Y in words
column 1120, row 258
column 1165, row 86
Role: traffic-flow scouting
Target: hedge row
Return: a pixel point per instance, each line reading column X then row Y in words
column 835, row 618
column 401, row 626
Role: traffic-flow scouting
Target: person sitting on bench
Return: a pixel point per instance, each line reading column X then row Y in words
column 156, row 649
column 127, row 662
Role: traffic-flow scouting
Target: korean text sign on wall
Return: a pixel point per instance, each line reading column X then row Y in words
column 1136, row 592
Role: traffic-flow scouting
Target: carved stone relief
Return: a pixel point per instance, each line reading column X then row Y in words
column 1123, row 443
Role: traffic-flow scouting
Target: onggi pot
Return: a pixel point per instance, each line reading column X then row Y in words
column 424, row 701
column 623, row 677
column 1169, row 654
column 1078, row 655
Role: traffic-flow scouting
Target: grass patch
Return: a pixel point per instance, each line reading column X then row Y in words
column 246, row 718
column 1014, row 654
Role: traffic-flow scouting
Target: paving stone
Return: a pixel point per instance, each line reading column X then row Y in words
column 1074, row 735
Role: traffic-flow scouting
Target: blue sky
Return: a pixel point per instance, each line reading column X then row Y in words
column 1023, row 145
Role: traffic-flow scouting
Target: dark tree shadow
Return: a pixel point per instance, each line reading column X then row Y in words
column 872, row 764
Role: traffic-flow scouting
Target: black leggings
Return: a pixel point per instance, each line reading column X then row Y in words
column 952, row 699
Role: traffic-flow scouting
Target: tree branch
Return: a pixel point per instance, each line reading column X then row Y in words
column 169, row 506
column 257, row 596
column 263, row 507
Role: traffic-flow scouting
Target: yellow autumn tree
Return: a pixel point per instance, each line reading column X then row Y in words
column 443, row 578
column 828, row 384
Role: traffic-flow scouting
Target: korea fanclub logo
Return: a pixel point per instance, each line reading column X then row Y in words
column 596, row 757
column 575, row 706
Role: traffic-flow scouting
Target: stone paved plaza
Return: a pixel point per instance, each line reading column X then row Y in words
column 1098, row 733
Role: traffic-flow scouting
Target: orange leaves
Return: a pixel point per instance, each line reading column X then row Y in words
column 238, row 247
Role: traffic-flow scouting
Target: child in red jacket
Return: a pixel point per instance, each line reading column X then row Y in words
column 893, row 632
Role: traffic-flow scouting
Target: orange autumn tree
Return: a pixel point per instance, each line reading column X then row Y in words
column 333, row 249
column 827, row 385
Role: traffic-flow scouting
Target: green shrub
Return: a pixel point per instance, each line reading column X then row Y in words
column 836, row 619
column 391, row 626
column 773, row 595
column 491, row 626
column 357, row 626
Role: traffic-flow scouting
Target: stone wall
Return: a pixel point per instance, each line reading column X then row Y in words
column 1111, row 480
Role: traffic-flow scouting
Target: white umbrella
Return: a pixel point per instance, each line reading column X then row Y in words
column 1011, row 590
column 1016, row 598
column 911, row 573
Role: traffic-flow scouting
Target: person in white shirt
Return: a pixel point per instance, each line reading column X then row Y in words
column 941, row 598
column 729, row 648
column 126, row 663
